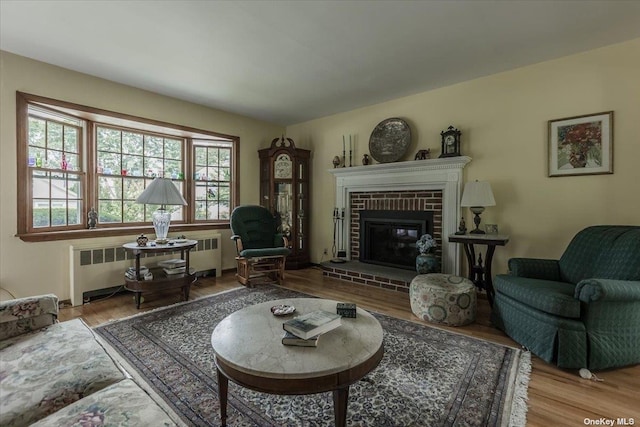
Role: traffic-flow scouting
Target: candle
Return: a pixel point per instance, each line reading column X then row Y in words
column 342, row 142
column 349, row 142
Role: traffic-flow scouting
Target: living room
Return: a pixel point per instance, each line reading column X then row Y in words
column 503, row 118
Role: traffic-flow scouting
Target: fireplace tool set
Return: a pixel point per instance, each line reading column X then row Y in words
column 338, row 231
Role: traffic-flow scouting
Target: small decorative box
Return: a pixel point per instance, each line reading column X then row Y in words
column 346, row 309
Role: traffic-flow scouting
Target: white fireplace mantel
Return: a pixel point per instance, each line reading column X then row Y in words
column 433, row 174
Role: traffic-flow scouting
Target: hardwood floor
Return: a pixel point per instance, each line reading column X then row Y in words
column 556, row 397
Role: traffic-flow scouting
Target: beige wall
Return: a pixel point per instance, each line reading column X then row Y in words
column 33, row 268
column 503, row 119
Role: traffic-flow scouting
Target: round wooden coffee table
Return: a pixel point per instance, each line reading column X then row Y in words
column 248, row 351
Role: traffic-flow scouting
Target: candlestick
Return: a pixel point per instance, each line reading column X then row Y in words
column 350, row 151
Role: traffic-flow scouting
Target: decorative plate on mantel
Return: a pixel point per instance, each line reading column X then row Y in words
column 389, row 140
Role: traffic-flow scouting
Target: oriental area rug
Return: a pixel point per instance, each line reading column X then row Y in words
column 428, row 376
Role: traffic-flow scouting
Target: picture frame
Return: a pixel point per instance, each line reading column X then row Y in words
column 491, row 228
column 581, row 145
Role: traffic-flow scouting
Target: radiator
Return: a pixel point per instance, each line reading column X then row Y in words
column 94, row 269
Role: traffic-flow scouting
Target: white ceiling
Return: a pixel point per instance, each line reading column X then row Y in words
column 291, row 61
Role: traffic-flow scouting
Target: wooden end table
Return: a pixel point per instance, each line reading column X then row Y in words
column 478, row 273
column 161, row 280
column 248, row 351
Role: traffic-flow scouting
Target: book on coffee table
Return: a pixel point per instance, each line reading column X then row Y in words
column 312, row 324
column 289, row 339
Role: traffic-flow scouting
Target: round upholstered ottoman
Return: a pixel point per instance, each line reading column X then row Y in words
column 443, row 298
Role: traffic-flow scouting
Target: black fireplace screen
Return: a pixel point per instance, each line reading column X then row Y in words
column 388, row 237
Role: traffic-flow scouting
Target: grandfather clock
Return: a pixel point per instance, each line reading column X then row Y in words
column 284, row 190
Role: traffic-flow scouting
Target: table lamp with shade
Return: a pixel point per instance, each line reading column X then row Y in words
column 161, row 192
column 476, row 196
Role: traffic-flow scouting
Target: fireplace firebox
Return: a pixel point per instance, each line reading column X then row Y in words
column 388, row 237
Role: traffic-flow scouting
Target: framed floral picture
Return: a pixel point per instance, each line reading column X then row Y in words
column 581, row 145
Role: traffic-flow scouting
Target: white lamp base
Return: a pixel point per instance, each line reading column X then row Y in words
column 161, row 221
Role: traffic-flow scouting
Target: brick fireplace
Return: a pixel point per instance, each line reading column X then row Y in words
column 425, row 185
column 395, row 201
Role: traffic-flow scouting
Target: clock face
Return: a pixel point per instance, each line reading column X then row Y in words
column 450, row 140
column 282, row 167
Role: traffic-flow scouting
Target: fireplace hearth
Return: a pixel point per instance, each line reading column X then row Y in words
column 388, row 237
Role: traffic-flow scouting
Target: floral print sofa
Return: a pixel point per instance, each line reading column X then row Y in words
column 60, row 374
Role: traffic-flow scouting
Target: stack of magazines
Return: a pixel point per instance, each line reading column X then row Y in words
column 131, row 272
column 305, row 330
column 177, row 270
column 172, row 263
column 173, row 266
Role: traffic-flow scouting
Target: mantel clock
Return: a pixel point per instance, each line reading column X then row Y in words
column 450, row 142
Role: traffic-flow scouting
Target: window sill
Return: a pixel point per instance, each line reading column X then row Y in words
column 49, row 236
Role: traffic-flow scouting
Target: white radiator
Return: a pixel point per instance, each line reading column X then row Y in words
column 94, row 268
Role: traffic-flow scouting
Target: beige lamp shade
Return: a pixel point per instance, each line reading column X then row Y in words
column 162, row 192
column 477, row 193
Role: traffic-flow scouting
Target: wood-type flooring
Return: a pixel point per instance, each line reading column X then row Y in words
column 556, row 397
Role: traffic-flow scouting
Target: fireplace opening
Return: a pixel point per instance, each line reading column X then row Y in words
column 388, row 237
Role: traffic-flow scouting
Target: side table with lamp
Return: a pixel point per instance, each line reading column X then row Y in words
column 476, row 196
column 162, row 192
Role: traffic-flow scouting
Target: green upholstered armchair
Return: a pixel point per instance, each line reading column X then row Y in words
column 261, row 250
column 581, row 311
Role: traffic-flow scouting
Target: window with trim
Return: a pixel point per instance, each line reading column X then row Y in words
column 73, row 158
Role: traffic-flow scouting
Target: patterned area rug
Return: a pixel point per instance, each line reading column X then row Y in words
column 428, row 377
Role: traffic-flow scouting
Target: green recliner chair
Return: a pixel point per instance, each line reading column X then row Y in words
column 261, row 250
column 581, row 311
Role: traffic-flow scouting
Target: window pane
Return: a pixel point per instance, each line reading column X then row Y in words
column 110, row 188
column 132, row 143
column 173, row 149
column 73, row 162
column 225, row 157
column 176, row 213
column 133, row 212
column 201, row 156
column 37, row 129
column 153, row 167
column 224, row 210
column 212, row 157
column 201, row 211
column 71, row 139
column 58, row 212
column 108, row 139
column 132, row 165
column 40, row 186
column 132, row 188
column 153, row 146
column 223, row 192
column 53, row 160
column 74, row 212
column 74, row 187
column 41, row 213
column 110, row 163
column 54, row 135
column 225, row 174
column 173, row 169
column 109, row 212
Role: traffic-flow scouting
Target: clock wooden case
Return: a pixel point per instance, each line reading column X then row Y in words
column 450, row 142
column 285, row 191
